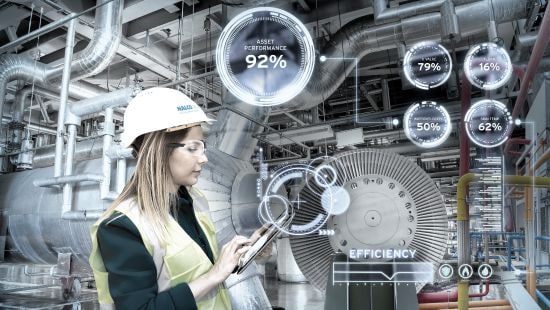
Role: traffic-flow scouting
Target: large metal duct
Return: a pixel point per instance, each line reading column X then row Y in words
column 361, row 37
column 394, row 204
column 38, row 233
column 356, row 40
column 94, row 58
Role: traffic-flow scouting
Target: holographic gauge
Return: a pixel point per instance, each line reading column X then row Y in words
column 427, row 124
column 488, row 123
column 488, row 66
column 265, row 56
column 427, row 65
column 274, row 203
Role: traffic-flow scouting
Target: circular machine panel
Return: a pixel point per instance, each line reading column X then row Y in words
column 488, row 123
column 427, row 65
column 488, row 66
column 265, row 56
column 381, row 214
column 380, row 186
column 427, row 124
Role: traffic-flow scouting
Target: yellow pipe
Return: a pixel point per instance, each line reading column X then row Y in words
column 462, row 215
column 476, row 303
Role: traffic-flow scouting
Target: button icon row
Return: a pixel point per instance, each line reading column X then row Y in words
column 465, row 271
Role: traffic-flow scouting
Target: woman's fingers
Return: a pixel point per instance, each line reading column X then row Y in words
column 243, row 250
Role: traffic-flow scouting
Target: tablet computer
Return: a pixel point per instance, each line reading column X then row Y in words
column 267, row 237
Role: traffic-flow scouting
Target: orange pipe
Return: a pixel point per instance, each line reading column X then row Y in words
column 486, row 308
column 477, row 303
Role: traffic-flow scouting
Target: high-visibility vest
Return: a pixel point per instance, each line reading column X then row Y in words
column 181, row 261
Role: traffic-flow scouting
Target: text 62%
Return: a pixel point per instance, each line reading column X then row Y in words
column 490, row 127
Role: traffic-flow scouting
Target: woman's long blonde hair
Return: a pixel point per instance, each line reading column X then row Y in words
column 152, row 182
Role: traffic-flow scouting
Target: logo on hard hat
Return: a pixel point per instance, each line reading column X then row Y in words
column 184, row 107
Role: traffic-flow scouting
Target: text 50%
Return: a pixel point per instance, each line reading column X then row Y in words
column 428, row 126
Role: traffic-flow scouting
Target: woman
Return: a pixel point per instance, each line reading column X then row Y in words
column 153, row 249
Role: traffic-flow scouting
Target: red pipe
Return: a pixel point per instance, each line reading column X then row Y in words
column 484, row 293
column 463, row 140
column 448, row 296
column 543, row 38
column 520, row 141
column 424, row 298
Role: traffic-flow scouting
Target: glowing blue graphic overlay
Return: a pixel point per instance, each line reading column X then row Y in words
column 335, row 200
column 488, row 123
column 427, row 65
column 378, row 272
column 488, row 66
column 294, row 174
column 265, row 56
column 427, row 124
column 445, row 271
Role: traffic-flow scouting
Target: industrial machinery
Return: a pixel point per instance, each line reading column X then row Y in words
column 410, row 139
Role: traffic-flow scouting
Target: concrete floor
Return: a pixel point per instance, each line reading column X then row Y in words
column 293, row 296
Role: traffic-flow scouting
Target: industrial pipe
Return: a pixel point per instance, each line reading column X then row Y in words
column 477, row 303
column 449, row 295
column 115, row 99
column 543, row 38
column 359, row 38
column 463, row 227
column 64, row 96
column 68, row 179
column 485, row 308
column 69, row 157
column 543, row 298
column 94, row 58
column 462, row 213
column 383, row 13
column 108, row 134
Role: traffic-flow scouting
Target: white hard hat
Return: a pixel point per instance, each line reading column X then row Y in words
column 160, row 108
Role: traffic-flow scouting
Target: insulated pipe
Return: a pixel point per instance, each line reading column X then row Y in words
column 103, row 45
column 359, row 38
column 99, row 52
column 480, row 303
column 120, row 175
column 108, row 134
column 69, row 156
column 115, row 99
column 64, row 96
column 68, row 179
column 383, row 13
column 20, row 99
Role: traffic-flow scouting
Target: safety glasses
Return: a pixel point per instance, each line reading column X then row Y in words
column 195, row 148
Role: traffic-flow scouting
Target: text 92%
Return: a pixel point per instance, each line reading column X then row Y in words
column 264, row 61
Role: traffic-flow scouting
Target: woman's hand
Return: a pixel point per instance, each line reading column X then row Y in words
column 229, row 257
column 256, row 235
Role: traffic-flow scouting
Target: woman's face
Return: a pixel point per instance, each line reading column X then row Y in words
column 186, row 162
